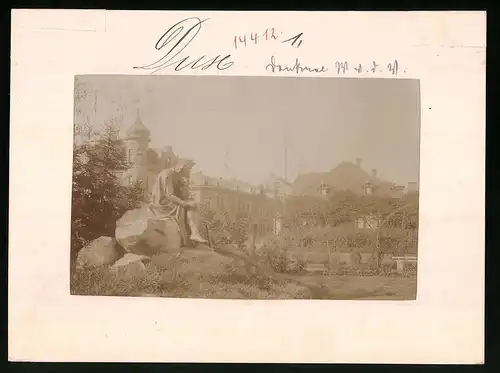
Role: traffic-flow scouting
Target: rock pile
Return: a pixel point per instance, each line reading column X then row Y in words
column 138, row 236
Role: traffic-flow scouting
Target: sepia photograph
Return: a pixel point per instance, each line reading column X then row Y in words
column 239, row 187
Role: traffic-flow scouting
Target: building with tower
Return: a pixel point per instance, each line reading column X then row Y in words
column 145, row 162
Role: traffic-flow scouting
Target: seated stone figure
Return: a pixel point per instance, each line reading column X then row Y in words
column 170, row 200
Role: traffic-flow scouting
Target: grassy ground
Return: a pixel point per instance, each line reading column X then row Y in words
column 208, row 275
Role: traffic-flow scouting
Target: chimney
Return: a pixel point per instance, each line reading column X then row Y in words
column 358, row 162
column 374, row 173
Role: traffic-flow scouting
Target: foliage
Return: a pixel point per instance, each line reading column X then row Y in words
column 345, row 207
column 283, row 254
column 392, row 223
column 225, row 229
column 158, row 276
column 102, row 281
column 98, row 198
column 280, row 253
column 336, row 238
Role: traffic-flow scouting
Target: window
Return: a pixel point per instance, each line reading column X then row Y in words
column 205, row 182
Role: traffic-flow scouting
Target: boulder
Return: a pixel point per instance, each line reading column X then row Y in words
column 129, row 259
column 139, row 232
column 100, row 252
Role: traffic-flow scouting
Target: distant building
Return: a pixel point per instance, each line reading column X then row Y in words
column 145, row 162
column 412, row 187
column 233, row 198
column 324, row 190
column 398, row 191
column 348, row 176
column 277, row 187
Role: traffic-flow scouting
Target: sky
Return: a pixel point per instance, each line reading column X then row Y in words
column 240, row 126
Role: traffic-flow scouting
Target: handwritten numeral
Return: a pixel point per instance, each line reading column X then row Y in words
column 296, row 39
column 272, row 36
column 374, row 68
column 243, row 40
column 359, row 68
column 254, row 37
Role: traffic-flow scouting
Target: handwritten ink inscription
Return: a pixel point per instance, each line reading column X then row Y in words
column 297, row 67
column 295, row 41
column 270, row 34
column 177, row 38
column 392, row 68
column 339, row 67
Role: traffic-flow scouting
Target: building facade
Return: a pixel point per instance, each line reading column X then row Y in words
column 235, row 198
column 259, row 208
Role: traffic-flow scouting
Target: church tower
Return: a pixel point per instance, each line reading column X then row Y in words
column 136, row 140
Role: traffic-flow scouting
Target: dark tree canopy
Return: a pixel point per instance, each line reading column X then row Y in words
column 98, row 198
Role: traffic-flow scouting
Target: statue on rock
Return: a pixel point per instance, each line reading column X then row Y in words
column 170, row 200
column 169, row 222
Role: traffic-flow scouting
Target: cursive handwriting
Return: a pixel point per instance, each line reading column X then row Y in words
column 342, row 67
column 181, row 35
column 295, row 68
column 392, row 68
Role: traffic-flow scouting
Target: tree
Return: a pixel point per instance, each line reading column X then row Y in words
column 391, row 223
column 98, row 198
column 404, row 216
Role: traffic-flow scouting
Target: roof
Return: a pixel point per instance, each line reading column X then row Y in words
column 138, row 129
column 346, row 176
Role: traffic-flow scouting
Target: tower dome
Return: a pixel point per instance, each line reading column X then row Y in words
column 137, row 130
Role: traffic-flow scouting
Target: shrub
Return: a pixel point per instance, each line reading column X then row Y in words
column 226, row 230
column 283, row 254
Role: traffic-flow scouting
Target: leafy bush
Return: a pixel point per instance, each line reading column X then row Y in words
column 283, row 254
column 224, row 229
